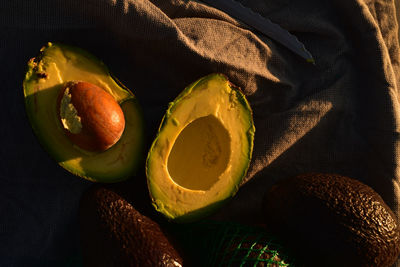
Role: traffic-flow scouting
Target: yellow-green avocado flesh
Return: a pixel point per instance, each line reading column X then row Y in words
column 47, row 73
column 202, row 150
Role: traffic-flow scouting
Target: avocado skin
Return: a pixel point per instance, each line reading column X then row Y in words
column 332, row 220
column 114, row 233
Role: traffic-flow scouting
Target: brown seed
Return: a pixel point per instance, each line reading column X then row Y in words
column 90, row 116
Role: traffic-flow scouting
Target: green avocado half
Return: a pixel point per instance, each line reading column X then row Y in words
column 47, row 73
column 202, row 150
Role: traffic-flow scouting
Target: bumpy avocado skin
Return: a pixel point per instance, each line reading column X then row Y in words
column 114, row 233
column 332, row 220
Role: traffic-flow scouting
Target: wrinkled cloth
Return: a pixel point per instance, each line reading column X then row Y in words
column 341, row 115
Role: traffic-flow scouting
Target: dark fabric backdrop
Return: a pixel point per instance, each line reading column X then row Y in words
column 340, row 115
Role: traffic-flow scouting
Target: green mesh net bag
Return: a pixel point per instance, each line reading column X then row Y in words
column 229, row 244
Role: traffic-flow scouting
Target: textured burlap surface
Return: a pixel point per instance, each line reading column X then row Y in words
column 340, row 115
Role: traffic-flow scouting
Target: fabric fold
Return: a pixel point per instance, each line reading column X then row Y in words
column 341, row 115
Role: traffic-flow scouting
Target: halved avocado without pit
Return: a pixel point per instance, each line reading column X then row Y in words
column 57, row 69
column 202, row 150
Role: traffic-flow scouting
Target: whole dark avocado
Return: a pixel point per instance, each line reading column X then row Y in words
column 114, row 233
column 332, row 220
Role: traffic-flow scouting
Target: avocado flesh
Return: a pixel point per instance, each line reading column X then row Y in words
column 202, row 150
column 200, row 154
column 69, row 115
column 46, row 75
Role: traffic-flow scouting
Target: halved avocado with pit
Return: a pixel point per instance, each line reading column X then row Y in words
column 202, row 150
column 47, row 74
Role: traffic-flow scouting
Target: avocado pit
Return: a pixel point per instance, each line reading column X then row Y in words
column 90, row 116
